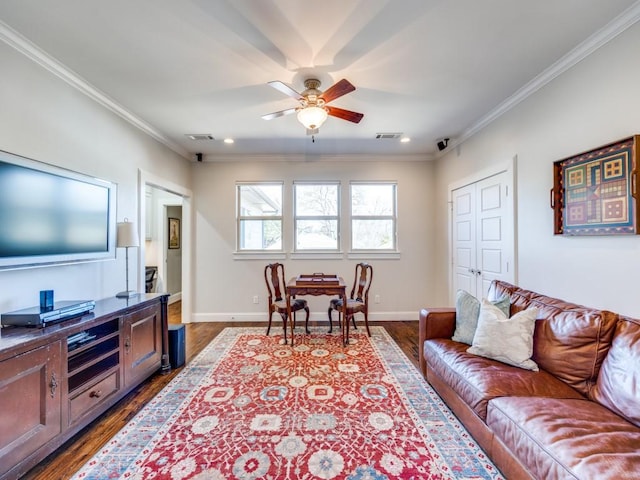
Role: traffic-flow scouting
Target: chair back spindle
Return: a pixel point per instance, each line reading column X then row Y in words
column 277, row 279
column 362, row 282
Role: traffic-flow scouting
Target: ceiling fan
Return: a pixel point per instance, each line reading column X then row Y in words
column 313, row 109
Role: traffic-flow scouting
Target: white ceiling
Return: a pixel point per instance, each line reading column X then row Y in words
column 426, row 68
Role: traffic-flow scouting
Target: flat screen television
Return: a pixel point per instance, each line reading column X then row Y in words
column 50, row 215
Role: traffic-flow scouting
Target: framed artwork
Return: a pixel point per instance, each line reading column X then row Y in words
column 174, row 233
column 595, row 192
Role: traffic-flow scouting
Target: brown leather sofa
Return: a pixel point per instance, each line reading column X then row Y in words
column 577, row 418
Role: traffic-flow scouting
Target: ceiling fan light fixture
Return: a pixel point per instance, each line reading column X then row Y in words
column 312, row 117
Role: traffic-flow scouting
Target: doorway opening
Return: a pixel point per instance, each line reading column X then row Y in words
column 165, row 214
column 163, row 241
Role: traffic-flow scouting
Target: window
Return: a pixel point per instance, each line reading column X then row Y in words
column 316, row 219
column 260, row 216
column 373, row 216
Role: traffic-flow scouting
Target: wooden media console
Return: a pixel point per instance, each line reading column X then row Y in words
column 56, row 380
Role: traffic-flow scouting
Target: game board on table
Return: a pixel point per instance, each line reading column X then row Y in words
column 317, row 279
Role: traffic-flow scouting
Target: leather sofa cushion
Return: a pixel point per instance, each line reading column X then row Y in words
column 566, row 438
column 570, row 341
column 572, row 344
column 477, row 379
column 618, row 386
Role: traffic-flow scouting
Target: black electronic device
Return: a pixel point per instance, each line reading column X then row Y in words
column 46, row 300
column 176, row 345
column 37, row 317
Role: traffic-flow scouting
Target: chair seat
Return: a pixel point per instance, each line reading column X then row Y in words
column 336, row 303
column 296, row 304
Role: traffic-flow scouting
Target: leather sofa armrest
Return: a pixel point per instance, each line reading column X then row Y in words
column 434, row 323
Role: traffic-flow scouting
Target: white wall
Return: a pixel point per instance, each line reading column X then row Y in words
column 594, row 103
column 43, row 118
column 224, row 286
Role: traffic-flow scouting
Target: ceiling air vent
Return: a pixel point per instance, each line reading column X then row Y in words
column 384, row 136
column 199, row 136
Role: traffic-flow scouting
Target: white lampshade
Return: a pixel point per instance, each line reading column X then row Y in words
column 127, row 235
column 312, row 117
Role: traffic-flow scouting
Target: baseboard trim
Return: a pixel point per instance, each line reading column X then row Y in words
column 314, row 317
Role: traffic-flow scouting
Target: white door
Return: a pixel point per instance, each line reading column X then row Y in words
column 464, row 239
column 483, row 237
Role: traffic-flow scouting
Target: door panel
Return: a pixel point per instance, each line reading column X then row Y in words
column 491, row 261
column 490, row 196
column 490, row 229
column 142, row 344
column 30, row 383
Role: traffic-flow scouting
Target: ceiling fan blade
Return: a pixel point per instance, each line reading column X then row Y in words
column 337, row 90
column 348, row 115
column 286, row 89
column 281, row 113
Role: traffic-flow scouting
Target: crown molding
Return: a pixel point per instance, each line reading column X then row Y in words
column 600, row 38
column 39, row 56
column 356, row 157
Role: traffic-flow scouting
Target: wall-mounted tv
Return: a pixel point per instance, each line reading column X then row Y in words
column 50, row 215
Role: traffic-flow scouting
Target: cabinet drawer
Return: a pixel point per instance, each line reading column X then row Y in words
column 93, row 396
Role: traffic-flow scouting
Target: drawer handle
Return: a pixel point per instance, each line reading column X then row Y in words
column 96, row 394
column 127, row 345
column 53, row 385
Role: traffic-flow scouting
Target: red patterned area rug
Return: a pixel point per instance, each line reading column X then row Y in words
column 250, row 408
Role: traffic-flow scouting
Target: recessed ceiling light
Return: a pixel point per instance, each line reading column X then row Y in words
column 405, row 139
column 228, row 140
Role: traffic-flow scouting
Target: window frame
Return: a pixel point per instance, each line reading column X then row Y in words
column 337, row 217
column 393, row 217
column 240, row 218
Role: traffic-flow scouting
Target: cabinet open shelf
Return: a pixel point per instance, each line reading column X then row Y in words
column 92, row 352
column 93, row 370
column 78, row 342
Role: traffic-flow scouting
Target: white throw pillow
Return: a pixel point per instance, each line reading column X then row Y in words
column 507, row 340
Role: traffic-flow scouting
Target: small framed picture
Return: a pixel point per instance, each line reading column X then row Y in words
column 174, row 233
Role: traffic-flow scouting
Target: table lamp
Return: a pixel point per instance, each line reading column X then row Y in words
column 127, row 237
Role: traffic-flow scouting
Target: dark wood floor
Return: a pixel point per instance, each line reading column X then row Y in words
column 72, row 455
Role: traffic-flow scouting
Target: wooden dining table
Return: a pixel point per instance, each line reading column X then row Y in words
column 317, row 284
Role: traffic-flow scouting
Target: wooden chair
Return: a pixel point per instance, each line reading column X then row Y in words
column 275, row 280
column 149, row 278
column 358, row 300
